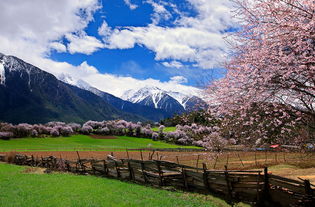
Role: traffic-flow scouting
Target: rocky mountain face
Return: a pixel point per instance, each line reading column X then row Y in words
column 147, row 112
column 172, row 102
column 29, row 94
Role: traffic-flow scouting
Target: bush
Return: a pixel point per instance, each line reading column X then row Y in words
column 6, row 135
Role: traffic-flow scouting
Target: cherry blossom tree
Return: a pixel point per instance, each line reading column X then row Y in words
column 270, row 80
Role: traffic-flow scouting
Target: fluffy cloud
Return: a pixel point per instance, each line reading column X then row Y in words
column 83, row 43
column 31, row 28
column 198, row 39
column 130, row 5
column 173, row 64
column 178, row 79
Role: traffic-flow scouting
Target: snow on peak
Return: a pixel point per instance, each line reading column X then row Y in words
column 2, row 73
column 66, row 78
column 156, row 94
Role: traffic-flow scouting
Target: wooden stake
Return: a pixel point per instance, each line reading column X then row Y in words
column 117, row 169
column 227, row 159
column 141, row 155
column 131, row 175
column 105, row 168
column 78, row 155
column 215, row 162
column 127, row 154
column 197, row 163
column 177, row 160
column 240, row 159
column 185, row 179
column 229, row 187
column 143, row 173
column 160, row 172
column 255, row 158
column 205, row 176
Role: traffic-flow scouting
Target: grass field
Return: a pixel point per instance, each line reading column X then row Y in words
column 81, row 143
column 166, row 129
column 21, row 186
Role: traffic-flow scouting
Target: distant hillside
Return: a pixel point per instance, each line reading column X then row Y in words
column 29, row 94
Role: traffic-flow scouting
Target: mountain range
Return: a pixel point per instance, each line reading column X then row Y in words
column 29, row 94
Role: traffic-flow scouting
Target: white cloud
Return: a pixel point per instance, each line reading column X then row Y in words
column 159, row 12
column 198, row 39
column 173, row 64
column 130, row 5
column 31, row 29
column 104, row 30
column 83, row 43
column 59, row 47
column 179, row 43
column 178, row 79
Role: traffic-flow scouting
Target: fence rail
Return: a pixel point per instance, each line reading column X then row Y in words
column 251, row 186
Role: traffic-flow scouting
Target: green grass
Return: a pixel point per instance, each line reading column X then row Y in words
column 81, row 143
column 18, row 188
column 166, row 129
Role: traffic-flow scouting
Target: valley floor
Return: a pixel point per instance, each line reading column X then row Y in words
column 25, row 186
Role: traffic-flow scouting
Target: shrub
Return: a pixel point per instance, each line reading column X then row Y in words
column 54, row 132
column 6, row 135
column 66, row 131
column 34, row 133
column 86, row 129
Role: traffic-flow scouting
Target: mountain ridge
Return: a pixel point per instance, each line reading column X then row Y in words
column 29, row 94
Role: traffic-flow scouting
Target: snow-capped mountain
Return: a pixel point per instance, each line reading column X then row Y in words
column 154, row 114
column 29, row 94
column 170, row 101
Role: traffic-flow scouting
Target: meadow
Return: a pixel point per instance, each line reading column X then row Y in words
column 166, row 129
column 82, row 143
column 24, row 186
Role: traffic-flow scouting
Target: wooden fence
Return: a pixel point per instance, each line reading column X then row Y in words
column 254, row 187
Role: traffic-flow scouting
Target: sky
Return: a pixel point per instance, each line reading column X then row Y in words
column 116, row 45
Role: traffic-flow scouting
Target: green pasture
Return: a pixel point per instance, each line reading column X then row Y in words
column 24, row 187
column 166, row 129
column 82, row 143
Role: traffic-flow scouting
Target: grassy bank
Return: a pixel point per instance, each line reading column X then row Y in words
column 22, row 186
column 81, row 143
column 166, row 129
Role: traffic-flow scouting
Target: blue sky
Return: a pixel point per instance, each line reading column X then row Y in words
column 170, row 44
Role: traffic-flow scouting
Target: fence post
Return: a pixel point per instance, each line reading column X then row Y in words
column 92, row 165
column 185, row 179
column 240, row 159
column 215, row 162
column 309, row 193
column 127, row 153
column 197, row 163
column 117, row 169
column 227, row 159
column 131, row 176
column 143, row 173
column 205, row 176
column 33, row 161
column 160, row 172
column 229, row 187
column 105, row 168
column 266, row 180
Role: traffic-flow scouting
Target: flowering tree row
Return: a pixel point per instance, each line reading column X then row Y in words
column 268, row 94
column 204, row 136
